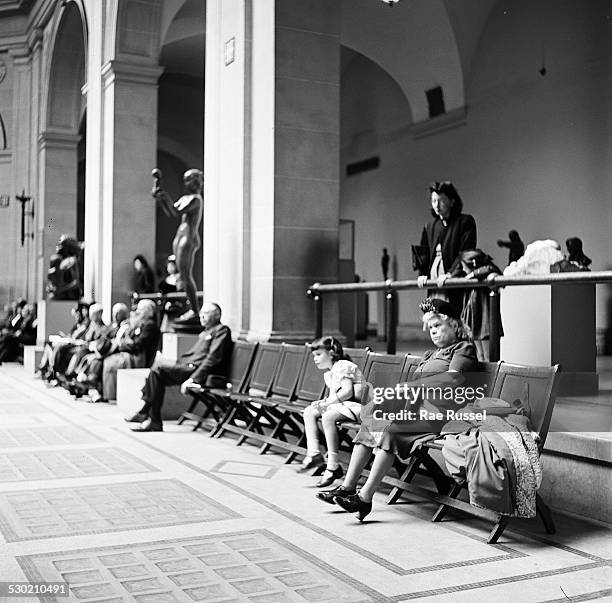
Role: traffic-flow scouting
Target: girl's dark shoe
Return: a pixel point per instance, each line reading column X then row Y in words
column 314, row 462
column 336, row 473
column 354, row 504
column 329, row 495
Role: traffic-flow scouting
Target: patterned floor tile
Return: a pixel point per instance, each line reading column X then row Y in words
column 60, row 435
column 56, row 464
column 177, row 570
column 246, row 469
column 9, row 408
column 32, row 514
column 19, row 420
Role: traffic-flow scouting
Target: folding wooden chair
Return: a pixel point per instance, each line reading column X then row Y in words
column 381, row 370
column 311, row 387
column 535, row 387
column 358, row 355
column 420, row 462
column 260, row 381
column 282, row 389
column 215, row 399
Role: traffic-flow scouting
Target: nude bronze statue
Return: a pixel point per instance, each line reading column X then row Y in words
column 187, row 240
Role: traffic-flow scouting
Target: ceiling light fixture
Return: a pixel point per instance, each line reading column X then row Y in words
column 390, row 2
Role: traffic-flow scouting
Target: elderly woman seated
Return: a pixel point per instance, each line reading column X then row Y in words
column 442, row 368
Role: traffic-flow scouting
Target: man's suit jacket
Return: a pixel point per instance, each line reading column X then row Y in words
column 211, row 354
column 141, row 341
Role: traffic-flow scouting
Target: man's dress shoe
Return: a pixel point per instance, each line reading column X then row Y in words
column 139, row 417
column 147, row 425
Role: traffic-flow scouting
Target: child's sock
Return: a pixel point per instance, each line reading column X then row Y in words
column 332, row 460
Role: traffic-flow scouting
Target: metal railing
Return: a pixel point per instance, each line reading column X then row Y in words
column 161, row 298
column 318, row 290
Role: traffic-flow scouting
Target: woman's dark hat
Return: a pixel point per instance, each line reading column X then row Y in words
column 439, row 306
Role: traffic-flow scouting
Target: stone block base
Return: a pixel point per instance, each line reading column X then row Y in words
column 175, row 344
column 53, row 316
column 32, row 355
column 129, row 384
column 577, row 472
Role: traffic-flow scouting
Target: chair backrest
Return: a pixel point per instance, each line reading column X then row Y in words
column 534, row 386
column 358, row 355
column 384, row 370
column 241, row 363
column 288, row 369
column 311, row 384
column 266, row 361
column 485, row 375
column 410, row 365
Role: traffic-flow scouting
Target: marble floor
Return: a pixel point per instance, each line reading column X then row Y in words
column 177, row 516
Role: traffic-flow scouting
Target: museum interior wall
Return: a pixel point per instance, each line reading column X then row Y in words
column 531, row 154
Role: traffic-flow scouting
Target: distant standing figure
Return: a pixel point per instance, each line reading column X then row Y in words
column 384, row 263
column 187, row 240
column 144, row 279
column 575, row 260
column 168, row 284
column 515, row 245
column 476, row 313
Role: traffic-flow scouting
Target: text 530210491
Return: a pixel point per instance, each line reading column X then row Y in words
column 32, row 589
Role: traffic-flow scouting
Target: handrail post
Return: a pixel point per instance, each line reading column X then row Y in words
column 318, row 310
column 391, row 302
column 494, row 324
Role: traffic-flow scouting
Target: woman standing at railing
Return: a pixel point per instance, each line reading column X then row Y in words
column 443, row 238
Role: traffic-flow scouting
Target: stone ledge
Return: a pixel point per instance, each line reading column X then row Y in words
column 594, row 448
column 129, row 384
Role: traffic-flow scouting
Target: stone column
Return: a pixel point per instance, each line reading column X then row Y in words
column 93, row 152
column 129, row 125
column 284, row 170
column 18, row 139
column 226, row 200
column 55, row 213
column 302, row 216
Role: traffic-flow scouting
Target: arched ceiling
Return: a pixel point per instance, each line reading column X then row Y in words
column 184, row 37
column 420, row 43
column 67, row 74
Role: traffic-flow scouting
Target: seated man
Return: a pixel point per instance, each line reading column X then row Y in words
column 206, row 363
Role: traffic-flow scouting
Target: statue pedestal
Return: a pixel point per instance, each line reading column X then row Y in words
column 175, row 344
column 546, row 325
column 53, row 316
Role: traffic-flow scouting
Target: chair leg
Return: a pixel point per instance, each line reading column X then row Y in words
column 274, row 434
column 443, row 509
column 192, row 406
column 442, row 481
column 229, row 411
column 250, row 426
column 498, row 529
column 227, row 420
column 293, row 455
column 406, row 476
column 545, row 515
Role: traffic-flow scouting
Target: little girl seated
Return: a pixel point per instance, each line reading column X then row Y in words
column 344, row 381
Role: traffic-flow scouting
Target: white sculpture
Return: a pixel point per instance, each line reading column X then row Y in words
column 538, row 258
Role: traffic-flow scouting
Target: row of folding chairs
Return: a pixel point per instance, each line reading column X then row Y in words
column 270, row 385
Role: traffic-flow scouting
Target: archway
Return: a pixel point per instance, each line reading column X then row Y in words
column 180, row 114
